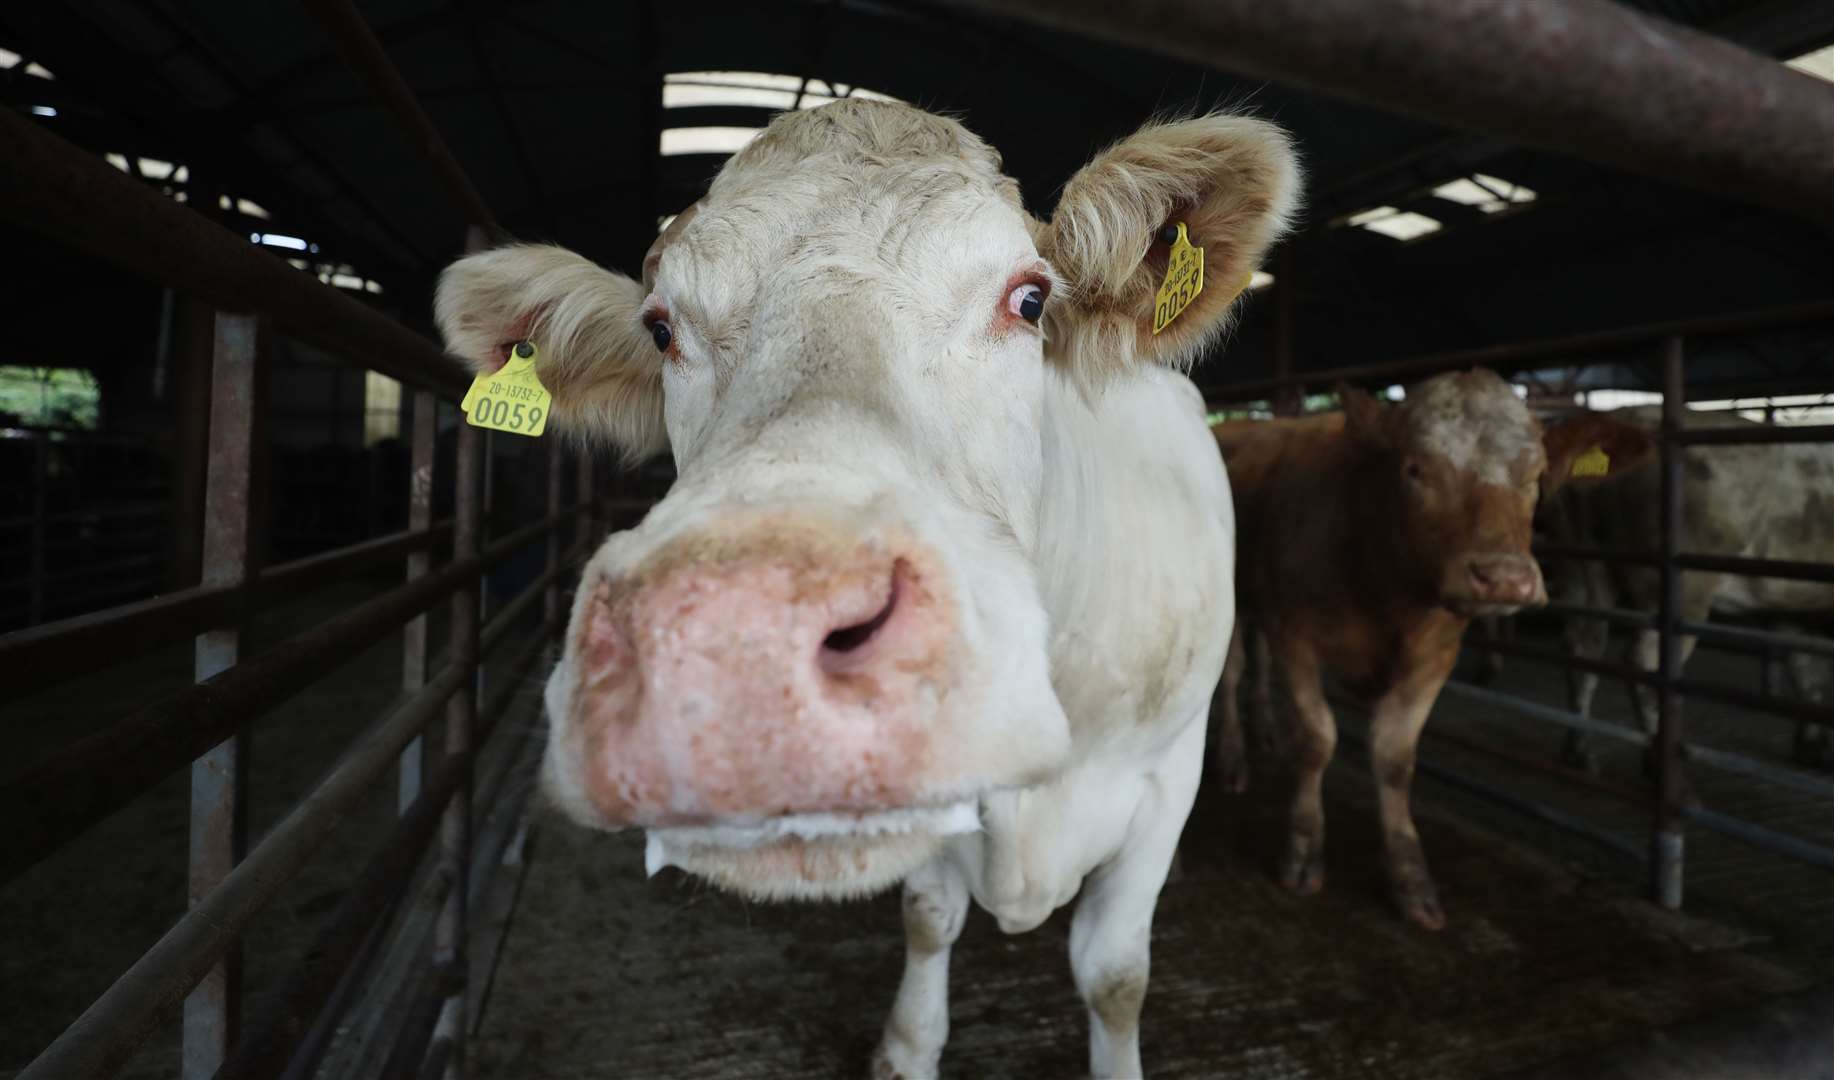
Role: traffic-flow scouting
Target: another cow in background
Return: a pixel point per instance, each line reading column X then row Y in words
column 945, row 585
column 1766, row 502
column 1368, row 540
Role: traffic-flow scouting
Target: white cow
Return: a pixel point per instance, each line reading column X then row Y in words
column 944, row 586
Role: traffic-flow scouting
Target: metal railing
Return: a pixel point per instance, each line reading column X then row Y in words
column 1673, row 802
column 52, row 187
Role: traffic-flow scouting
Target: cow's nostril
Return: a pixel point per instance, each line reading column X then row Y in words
column 848, row 638
column 1482, row 574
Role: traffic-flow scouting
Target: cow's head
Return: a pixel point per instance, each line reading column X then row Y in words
column 1467, row 462
column 808, row 662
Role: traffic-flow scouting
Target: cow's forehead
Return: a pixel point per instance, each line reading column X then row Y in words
column 1474, row 420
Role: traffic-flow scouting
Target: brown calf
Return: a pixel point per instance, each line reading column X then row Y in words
column 1367, row 541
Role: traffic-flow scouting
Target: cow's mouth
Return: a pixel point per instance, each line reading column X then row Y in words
column 812, row 856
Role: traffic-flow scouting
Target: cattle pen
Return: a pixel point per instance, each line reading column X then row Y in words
column 392, row 903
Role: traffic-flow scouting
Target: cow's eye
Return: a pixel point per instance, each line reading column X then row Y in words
column 661, row 335
column 1026, row 301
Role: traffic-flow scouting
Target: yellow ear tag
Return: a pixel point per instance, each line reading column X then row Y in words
column 1184, row 279
column 1594, row 462
column 511, row 398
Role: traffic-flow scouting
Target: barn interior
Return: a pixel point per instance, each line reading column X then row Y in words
column 591, row 125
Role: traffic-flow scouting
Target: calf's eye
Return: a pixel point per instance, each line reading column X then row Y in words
column 1026, row 301
column 661, row 335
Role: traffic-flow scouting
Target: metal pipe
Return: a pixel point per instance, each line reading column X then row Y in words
column 47, row 654
column 1582, row 77
column 410, row 1047
column 1522, row 354
column 1783, row 776
column 1759, row 836
column 53, row 188
column 414, row 633
column 451, row 930
column 1544, row 713
column 219, row 777
column 1667, row 866
column 1763, row 435
column 1717, row 634
column 1521, row 760
column 1715, row 564
column 551, row 605
column 356, row 44
column 77, row 785
column 107, row 1032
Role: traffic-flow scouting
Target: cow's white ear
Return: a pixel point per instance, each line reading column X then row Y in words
column 595, row 356
column 1232, row 181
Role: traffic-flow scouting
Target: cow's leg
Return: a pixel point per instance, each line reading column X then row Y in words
column 935, row 907
column 1268, row 732
column 1812, row 676
column 1587, row 639
column 1315, row 740
column 1231, row 755
column 1394, row 739
column 1110, row 954
column 1646, row 652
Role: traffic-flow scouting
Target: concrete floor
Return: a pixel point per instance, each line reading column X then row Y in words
column 608, row 975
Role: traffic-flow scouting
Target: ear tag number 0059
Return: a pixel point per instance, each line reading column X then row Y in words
column 511, row 398
column 1184, row 279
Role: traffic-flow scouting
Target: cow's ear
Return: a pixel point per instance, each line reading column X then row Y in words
column 1593, row 446
column 1365, row 419
column 1231, row 181
column 594, row 354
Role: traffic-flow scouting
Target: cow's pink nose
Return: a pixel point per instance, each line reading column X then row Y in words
column 759, row 686
column 1505, row 579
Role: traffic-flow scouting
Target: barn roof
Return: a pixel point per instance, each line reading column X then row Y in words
column 1417, row 238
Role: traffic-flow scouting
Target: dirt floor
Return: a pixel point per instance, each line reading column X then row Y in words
column 608, row 975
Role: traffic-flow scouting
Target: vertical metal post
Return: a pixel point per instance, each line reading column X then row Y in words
column 550, row 600
column 455, row 847
column 41, row 479
column 585, row 529
column 1666, row 861
column 219, row 779
column 1288, row 401
column 414, row 634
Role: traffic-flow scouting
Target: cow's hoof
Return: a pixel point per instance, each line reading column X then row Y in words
column 1303, row 871
column 893, row 1061
column 1419, row 904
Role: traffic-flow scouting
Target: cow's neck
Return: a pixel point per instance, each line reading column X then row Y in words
column 1135, row 556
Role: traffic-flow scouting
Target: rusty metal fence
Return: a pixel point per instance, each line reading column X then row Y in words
column 1672, row 802
column 434, row 736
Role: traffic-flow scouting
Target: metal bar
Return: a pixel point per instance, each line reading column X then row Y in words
column 1521, row 760
column 1782, row 776
column 107, row 1032
column 1718, row 634
column 1529, row 807
column 219, row 778
column 1582, row 77
column 41, row 478
column 1808, row 711
column 1717, row 564
column 1544, row 713
column 1522, row 354
column 54, row 188
column 64, row 793
column 1639, row 620
column 1765, row 435
column 410, row 1047
column 363, row 54
column 450, row 933
column 439, row 1055
column 46, row 654
column 550, row 607
column 586, row 499
column 1667, row 866
column 1759, row 836
column 414, row 634
column 1625, row 672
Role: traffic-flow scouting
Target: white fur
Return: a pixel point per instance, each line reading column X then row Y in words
column 841, row 346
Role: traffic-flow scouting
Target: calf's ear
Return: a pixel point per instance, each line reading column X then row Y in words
column 1593, row 446
column 594, row 354
column 1232, row 181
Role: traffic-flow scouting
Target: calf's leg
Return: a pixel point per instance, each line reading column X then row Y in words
column 1394, row 740
column 935, row 908
column 1269, row 735
column 1812, row 676
column 1231, row 754
column 1315, row 740
column 1110, row 937
column 1587, row 639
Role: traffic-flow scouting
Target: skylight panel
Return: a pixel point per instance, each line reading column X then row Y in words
column 1819, row 63
column 684, row 95
column 706, row 140
column 1393, row 223
column 1260, row 279
column 8, row 59
column 37, row 71
column 1487, row 193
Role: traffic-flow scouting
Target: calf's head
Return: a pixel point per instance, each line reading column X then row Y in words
column 808, row 662
column 1458, row 468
